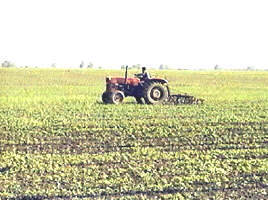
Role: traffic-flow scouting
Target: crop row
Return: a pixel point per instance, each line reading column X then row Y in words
column 100, row 148
column 245, row 191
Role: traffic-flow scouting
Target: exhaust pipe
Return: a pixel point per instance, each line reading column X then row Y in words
column 126, row 75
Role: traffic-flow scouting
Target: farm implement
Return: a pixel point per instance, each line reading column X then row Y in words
column 143, row 87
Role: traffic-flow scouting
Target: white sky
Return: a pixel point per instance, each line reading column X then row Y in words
column 111, row 33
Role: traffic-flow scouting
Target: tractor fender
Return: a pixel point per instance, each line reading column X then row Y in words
column 159, row 80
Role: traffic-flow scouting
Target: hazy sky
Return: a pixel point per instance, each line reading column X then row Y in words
column 111, row 33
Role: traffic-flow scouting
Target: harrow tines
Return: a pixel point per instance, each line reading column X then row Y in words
column 177, row 99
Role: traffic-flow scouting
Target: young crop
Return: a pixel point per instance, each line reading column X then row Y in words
column 59, row 141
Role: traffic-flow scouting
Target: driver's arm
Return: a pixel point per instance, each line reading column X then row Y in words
column 146, row 75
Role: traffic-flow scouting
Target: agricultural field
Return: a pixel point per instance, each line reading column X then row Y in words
column 59, row 141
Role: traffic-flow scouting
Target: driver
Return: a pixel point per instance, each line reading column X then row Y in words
column 144, row 75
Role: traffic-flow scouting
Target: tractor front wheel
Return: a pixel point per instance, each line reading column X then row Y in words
column 155, row 93
column 115, row 97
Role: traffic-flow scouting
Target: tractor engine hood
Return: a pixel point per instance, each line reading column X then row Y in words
column 121, row 80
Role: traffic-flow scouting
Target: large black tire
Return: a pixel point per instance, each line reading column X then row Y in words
column 105, row 97
column 155, row 93
column 116, row 97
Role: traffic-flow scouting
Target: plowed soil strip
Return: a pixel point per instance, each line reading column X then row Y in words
column 93, row 148
column 238, row 189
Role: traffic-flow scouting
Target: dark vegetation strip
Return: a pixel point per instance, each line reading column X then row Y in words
column 125, row 148
column 124, row 162
column 225, row 126
column 177, row 116
column 241, row 190
column 118, row 137
column 156, row 142
column 112, row 133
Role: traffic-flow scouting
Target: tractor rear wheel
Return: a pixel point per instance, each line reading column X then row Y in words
column 155, row 93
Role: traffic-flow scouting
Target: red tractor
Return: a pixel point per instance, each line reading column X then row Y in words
column 142, row 86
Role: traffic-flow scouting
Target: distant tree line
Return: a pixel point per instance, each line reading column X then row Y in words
column 8, row 64
column 89, row 65
column 139, row 66
column 249, row 68
column 161, row 67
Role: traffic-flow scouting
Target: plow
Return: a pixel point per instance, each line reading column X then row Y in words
column 144, row 89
